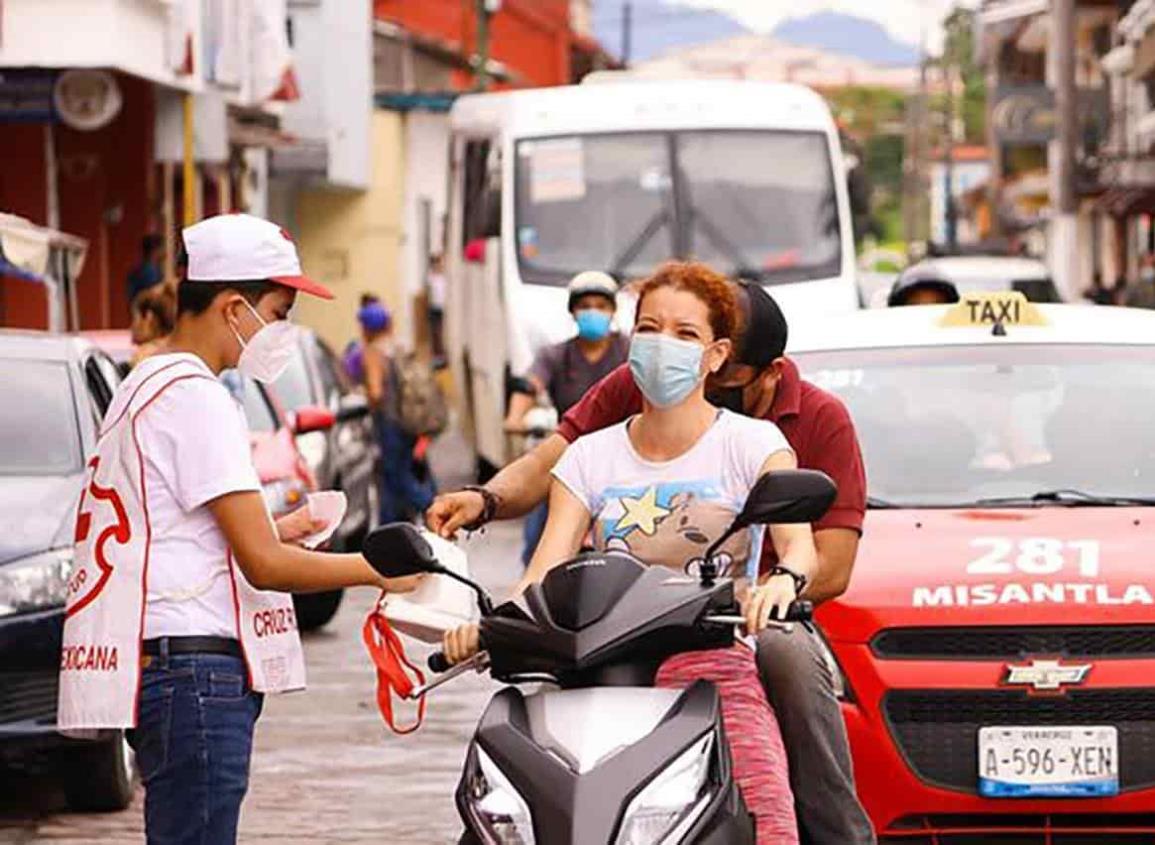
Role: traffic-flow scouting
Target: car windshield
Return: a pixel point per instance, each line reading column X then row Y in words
column 39, row 433
column 293, row 387
column 945, row 426
column 756, row 203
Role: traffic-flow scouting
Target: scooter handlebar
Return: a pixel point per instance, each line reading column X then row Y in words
column 438, row 662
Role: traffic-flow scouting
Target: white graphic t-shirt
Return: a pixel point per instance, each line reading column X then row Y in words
column 667, row 513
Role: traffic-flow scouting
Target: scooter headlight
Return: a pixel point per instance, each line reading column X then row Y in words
column 673, row 800
column 495, row 803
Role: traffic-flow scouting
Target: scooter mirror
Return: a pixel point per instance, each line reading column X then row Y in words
column 788, row 496
column 398, row 549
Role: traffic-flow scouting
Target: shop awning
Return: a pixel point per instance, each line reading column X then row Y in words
column 1125, row 202
column 37, row 254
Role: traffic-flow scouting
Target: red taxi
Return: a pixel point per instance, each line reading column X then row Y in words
column 996, row 647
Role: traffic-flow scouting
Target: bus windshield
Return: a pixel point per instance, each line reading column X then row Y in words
column 760, row 204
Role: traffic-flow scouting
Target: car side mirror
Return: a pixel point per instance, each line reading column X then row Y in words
column 398, row 549
column 310, row 419
column 788, row 496
column 353, row 406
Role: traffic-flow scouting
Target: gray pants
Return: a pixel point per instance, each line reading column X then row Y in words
column 800, row 687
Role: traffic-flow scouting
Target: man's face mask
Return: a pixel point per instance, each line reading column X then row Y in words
column 266, row 354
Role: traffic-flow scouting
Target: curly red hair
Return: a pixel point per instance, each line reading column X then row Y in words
column 710, row 286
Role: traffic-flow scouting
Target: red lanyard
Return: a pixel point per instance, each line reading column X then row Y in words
column 388, row 655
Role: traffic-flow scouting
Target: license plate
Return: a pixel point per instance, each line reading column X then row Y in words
column 1048, row 762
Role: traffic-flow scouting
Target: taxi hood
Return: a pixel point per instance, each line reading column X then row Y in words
column 1034, row 566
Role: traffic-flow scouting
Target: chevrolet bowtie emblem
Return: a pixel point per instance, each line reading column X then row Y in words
column 1046, row 675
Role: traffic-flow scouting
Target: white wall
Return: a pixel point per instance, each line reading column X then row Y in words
column 426, row 179
column 129, row 35
column 333, row 56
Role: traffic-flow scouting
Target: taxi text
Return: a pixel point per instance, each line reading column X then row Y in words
column 960, row 595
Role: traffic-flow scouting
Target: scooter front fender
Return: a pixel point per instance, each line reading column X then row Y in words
column 582, row 802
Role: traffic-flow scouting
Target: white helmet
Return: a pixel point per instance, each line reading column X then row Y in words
column 595, row 282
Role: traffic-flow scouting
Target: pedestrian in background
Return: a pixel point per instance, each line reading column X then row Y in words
column 153, row 320
column 148, row 272
column 403, row 494
column 352, row 359
column 436, row 290
column 565, row 371
column 179, row 613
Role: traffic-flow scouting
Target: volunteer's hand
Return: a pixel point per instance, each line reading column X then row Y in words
column 461, row 643
column 405, row 584
column 296, row 526
column 451, row 511
column 774, row 596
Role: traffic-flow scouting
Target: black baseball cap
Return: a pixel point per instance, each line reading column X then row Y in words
column 765, row 331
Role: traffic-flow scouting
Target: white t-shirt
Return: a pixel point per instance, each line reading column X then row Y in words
column 668, row 513
column 195, row 445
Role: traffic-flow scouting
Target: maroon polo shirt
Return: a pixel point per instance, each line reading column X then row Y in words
column 815, row 423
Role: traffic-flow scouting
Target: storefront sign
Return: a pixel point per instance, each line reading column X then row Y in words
column 1026, row 114
column 26, row 96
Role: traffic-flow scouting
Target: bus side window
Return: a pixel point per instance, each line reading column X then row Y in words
column 482, row 194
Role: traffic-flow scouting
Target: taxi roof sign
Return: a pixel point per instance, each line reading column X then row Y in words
column 998, row 310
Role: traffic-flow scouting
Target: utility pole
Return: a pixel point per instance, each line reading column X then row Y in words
column 484, row 9
column 951, row 208
column 1063, row 231
column 627, row 31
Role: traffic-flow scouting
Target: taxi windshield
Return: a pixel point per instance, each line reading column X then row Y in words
column 958, row 426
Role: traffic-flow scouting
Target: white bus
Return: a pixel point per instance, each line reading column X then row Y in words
column 746, row 176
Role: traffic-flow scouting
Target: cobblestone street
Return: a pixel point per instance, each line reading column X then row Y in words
column 326, row 768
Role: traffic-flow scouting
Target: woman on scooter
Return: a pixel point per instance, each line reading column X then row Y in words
column 662, row 486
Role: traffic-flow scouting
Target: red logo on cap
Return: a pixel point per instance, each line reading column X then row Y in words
column 285, row 234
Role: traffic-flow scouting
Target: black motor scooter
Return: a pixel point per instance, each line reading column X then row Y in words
column 598, row 756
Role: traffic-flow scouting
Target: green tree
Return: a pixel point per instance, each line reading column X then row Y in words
column 958, row 55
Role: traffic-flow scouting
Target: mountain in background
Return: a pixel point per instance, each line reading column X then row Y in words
column 659, row 26
column 849, row 36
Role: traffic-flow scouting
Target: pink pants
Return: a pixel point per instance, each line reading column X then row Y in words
column 760, row 764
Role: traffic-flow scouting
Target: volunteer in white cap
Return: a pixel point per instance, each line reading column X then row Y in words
column 564, row 371
column 179, row 616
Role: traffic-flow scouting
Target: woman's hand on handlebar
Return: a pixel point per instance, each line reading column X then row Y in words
column 769, row 600
column 461, row 643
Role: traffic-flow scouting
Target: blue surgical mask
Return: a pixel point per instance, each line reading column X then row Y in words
column 592, row 324
column 665, row 368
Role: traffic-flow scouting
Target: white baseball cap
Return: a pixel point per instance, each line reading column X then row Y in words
column 240, row 247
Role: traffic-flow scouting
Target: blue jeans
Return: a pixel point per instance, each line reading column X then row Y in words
column 402, row 494
column 532, row 529
column 193, row 743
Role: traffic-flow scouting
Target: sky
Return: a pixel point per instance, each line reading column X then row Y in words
column 904, row 19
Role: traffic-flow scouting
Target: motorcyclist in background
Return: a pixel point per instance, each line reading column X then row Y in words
column 564, row 371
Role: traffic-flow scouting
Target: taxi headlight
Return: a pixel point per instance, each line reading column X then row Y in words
column 838, row 677
column 672, row 800
column 283, row 496
column 495, row 804
column 36, row 583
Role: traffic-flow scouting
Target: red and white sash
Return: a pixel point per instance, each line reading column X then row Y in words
column 104, row 614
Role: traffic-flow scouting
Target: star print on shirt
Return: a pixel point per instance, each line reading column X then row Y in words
column 642, row 513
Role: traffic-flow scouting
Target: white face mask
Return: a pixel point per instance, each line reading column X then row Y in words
column 267, row 353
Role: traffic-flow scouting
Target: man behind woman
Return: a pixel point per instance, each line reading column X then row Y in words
column 663, row 485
